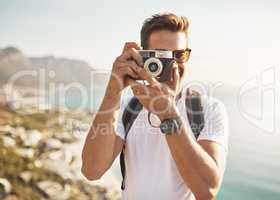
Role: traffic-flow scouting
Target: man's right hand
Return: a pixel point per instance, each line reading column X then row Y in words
column 125, row 67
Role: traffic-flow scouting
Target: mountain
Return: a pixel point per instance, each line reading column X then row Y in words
column 11, row 61
column 49, row 69
column 61, row 82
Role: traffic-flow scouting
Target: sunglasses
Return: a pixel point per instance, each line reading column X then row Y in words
column 181, row 56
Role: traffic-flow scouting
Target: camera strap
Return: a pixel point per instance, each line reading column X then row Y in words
column 194, row 112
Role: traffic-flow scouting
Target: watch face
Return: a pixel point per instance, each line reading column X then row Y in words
column 169, row 126
column 164, row 128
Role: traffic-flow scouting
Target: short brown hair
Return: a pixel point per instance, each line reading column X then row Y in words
column 165, row 21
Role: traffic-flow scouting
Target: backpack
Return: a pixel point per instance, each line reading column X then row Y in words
column 194, row 112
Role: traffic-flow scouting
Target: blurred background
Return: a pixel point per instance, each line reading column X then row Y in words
column 55, row 59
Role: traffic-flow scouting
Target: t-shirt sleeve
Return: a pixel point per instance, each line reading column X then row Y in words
column 216, row 123
column 126, row 96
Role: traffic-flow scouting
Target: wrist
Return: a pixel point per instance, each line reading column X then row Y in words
column 172, row 112
column 111, row 99
column 113, row 89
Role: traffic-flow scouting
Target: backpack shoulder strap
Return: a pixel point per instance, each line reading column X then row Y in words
column 194, row 111
column 129, row 115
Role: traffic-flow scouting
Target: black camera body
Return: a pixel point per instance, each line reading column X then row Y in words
column 158, row 63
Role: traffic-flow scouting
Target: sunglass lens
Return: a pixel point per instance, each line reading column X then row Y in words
column 181, row 55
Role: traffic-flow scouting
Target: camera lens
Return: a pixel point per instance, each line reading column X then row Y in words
column 153, row 67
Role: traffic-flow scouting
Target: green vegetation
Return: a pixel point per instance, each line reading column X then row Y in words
column 12, row 165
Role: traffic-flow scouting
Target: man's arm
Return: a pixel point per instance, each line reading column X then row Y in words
column 201, row 164
column 102, row 145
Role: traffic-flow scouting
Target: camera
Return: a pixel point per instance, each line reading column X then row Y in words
column 158, row 63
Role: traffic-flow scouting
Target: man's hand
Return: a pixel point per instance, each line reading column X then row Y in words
column 158, row 98
column 125, row 68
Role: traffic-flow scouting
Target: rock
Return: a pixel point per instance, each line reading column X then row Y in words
column 26, row 176
column 20, row 132
column 7, row 129
column 25, row 152
column 65, row 137
column 54, row 190
column 61, row 120
column 60, row 168
column 11, row 197
column 32, row 138
column 61, row 156
column 5, row 186
column 113, row 194
column 38, row 163
column 52, row 143
column 8, row 141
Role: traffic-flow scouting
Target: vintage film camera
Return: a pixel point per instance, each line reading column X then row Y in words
column 158, row 63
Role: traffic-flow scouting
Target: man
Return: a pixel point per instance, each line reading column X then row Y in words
column 158, row 166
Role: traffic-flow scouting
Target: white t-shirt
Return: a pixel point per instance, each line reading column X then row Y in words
column 151, row 172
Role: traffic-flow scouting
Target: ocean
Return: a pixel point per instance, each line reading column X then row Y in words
column 253, row 163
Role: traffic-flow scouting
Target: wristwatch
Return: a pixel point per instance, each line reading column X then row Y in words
column 170, row 126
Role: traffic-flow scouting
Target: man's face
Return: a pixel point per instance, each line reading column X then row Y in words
column 171, row 41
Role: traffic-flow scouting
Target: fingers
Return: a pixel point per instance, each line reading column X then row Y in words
column 133, row 83
column 143, row 74
column 132, row 53
column 129, row 68
column 129, row 45
column 130, row 64
column 175, row 76
column 138, row 89
column 167, row 90
column 140, row 72
column 129, row 72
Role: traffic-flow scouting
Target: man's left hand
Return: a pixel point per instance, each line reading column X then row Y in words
column 156, row 97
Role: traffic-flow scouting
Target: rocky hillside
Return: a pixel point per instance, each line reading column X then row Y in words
column 57, row 70
column 38, row 158
column 58, row 80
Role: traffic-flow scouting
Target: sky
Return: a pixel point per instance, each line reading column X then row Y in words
column 230, row 40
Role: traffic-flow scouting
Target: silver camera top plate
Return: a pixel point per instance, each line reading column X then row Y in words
column 156, row 53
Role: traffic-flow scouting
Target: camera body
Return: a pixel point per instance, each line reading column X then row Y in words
column 158, row 63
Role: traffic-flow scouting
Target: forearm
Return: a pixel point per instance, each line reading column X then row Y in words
column 98, row 150
column 197, row 168
column 193, row 157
